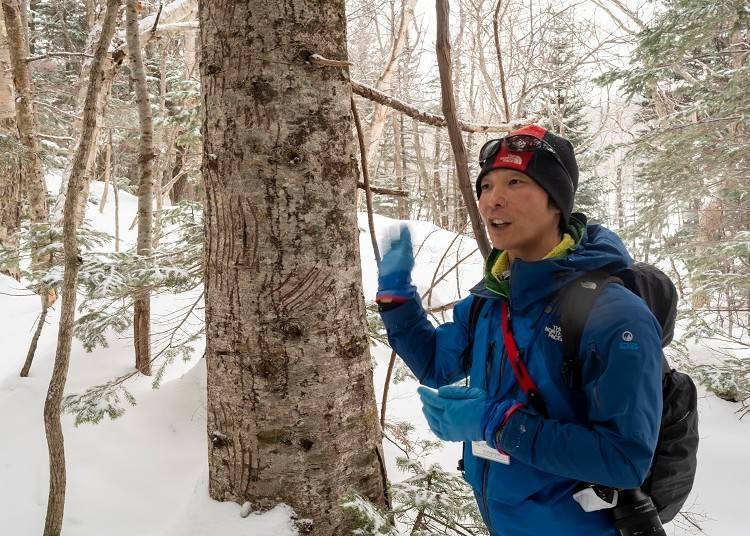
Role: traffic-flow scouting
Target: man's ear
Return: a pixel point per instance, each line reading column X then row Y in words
column 551, row 204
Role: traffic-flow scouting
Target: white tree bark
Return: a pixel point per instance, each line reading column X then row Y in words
column 174, row 12
column 7, row 97
column 291, row 409
column 380, row 112
column 142, row 304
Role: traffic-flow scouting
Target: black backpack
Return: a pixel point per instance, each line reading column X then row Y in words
column 672, row 472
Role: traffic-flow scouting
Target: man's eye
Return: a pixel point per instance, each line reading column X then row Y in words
column 484, row 186
column 514, row 181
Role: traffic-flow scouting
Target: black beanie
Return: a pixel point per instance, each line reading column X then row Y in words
column 542, row 167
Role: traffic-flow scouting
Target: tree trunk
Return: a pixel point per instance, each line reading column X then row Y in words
column 177, row 191
column 457, row 142
column 114, row 61
column 142, row 304
column 380, row 112
column 111, row 67
column 442, row 202
column 7, row 99
column 116, row 193
column 10, row 178
column 291, row 408
column 52, row 425
column 424, row 178
column 398, row 168
column 189, row 54
column 31, row 163
column 620, row 198
column 10, row 201
column 107, row 172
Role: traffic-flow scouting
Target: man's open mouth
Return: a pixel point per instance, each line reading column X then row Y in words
column 499, row 224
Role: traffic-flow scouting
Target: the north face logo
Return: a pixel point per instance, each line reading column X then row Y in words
column 511, row 159
column 554, row 333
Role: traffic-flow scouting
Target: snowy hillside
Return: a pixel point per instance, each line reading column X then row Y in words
column 145, row 474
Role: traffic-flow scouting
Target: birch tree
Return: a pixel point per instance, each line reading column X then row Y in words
column 142, row 305
column 291, row 409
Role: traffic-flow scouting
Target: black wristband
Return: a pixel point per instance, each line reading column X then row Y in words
column 387, row 306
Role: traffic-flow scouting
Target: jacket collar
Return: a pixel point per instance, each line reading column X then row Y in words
column 534, row 282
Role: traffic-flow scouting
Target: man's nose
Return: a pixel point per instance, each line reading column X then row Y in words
column 496, row 196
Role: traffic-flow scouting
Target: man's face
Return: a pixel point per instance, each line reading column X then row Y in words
column 518, row 216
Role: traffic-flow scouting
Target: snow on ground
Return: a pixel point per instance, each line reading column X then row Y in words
column 145, row 474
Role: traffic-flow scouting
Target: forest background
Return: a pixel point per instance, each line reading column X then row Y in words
column 652, row 94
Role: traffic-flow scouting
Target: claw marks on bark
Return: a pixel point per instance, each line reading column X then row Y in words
column 247, row 227
column 301, row 289
column 241, row 466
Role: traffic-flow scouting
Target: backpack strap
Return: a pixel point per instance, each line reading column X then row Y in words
column 466, row 356
column 576, row 300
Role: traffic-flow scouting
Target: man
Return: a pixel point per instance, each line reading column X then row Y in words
column 527, row 459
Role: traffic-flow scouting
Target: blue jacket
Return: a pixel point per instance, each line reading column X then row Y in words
column 605, row 432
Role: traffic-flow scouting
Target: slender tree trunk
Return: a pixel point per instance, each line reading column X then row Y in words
column 114, row 60
column 620, row 199
column 380, row 112
column 142, row 312
column 116, row 193
column 177, row 191
column 442, row 201
column 291, row 409
column 424, row 178
column 398, row 168
column 52, row 425
column 107, row 172
column 189, row 54
column 35, row 340
column 457, row 142
column 101, row 105
column 496, row 22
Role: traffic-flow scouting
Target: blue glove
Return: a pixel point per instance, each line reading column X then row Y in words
column 456, row 413
column 394, row 273
column 465, row 413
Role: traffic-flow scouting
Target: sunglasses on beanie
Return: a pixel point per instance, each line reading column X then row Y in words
column 519, row 143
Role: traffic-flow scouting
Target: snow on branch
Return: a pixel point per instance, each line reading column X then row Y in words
column 174, row 12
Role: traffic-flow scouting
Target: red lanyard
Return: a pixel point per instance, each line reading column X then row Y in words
column 519, row 368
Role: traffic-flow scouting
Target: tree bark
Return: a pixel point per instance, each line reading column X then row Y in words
column 398, row 168
column 442, row 201
column 142, row 303
column 10, row 201
column 496, row 21
column 457, row 142
column 52, row 425
column 291, row 409
column 7, row 99
column 10, row 177
column 177, row 191
column 107, row 173
column 424, row 177
column 380, row 112
column 31, row 163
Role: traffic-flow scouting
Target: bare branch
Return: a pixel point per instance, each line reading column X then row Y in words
column 58, row 54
